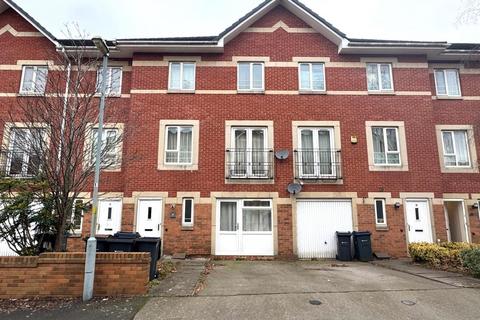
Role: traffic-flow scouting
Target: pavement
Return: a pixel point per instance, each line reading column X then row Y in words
column 316, row 290
column 392, row 289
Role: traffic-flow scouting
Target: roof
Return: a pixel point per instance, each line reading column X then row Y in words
column 127, row 46
column 29, row 18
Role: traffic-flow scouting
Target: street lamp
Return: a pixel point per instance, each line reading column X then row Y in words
column 92, row 242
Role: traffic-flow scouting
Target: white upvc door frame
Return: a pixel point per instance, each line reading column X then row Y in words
column 139, row 224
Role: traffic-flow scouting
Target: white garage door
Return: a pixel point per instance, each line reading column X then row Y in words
column 317, row 222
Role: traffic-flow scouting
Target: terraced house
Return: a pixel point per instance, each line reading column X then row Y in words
column 268, row 138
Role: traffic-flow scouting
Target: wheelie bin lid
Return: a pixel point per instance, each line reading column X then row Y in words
column 344, row 234
column 361, row 233
column 148, row 239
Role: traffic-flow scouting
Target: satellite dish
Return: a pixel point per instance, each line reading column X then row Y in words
column 281, row 154
column 294, row 188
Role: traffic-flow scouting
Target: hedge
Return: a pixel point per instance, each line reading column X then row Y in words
column 459, row 256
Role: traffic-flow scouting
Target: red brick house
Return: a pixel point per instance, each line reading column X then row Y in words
column 379, row 135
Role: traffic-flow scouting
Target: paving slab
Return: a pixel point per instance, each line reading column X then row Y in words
column 182, row 282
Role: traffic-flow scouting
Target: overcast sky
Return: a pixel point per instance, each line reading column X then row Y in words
column 379, row 19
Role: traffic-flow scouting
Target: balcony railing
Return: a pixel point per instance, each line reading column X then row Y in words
column 19, row 164
column 318, row 164
column 249, row 163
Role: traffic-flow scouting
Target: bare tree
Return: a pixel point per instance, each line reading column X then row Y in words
column 469, row 12
column 52, row 128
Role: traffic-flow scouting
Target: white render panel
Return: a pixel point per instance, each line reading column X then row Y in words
column 317, row 223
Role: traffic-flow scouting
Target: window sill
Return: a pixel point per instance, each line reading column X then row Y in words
column 187, row 228
column 381, row 93
column 74, row 235
column 459, row 170
column 173, row 167
column 30, row 94
column 309, row 92
column 249, row 181
column 109, row 95
column 382, row 228
column 251, row 91
column 321, row 181
column 388, row 168
column 448, row 98
column 174, row 91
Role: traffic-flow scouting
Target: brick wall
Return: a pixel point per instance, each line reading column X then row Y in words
column 61, row 275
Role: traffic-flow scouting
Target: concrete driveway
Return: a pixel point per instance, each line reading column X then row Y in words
column 283, row 290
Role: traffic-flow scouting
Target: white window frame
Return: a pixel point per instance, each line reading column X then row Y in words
column 27, row 152
column 444, row 73
column 181, row 63
column 310, row 66
column 109, row 83
column 35, row 71
column 387, row 152
column 240, row 203
column 379, row 77
column 116, row 150
column 316, row 146
column 251, row 89
column 72, row 218
column 178, row 163
column 384, row 223
column 249, row 169
column 185, row 223
column 455, row 149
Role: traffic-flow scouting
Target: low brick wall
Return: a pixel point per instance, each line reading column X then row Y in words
column 61, row 275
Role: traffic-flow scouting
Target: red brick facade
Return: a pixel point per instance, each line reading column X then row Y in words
column 146, row 102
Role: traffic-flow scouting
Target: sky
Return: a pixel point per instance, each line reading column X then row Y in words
column 432, row 20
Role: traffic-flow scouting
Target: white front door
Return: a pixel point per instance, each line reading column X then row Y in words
column 244, row 227
column 109, row 216
column 317, row 224
column 149, row 217
column 418, row 221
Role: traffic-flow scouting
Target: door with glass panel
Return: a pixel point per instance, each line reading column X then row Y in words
column 244, row 227
column 149, row 217
column 316, row 156
column 109, row 216
column 22, row 159
column 179, row 145
column 249, row 154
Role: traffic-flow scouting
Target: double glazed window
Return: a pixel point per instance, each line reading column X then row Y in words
column 113, row 80
column 447, row 82
column 109, row 154
column 249, row 156
column 316, row 155
column 386, row 146
column 34, row 79
column 380, row 212
column 178, row 145
column 77, row 216
column 379, row 77
column 187, row 214
column 246, row 215
column 312, row 76
column 251, row 76
column 22, row 158
column 182, row 76
column 455, row 148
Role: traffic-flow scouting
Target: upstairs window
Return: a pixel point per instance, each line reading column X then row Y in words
column 34, row 79
column 455, row 148
column 379, row 77
column 178, row 145
column 251, row 76
column 447, row 82
column 182, row 76
column 110, row 147
column 114, row 80
column 312, row 76
column 386, row 146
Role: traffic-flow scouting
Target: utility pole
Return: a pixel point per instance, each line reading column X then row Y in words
column 92, row 242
